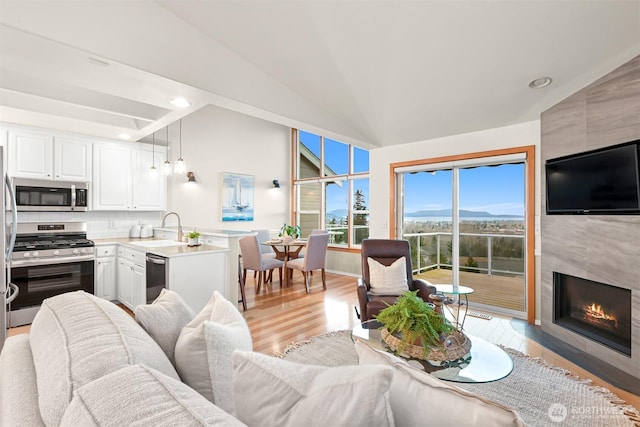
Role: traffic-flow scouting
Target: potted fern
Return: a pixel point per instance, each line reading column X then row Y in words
column 412, row 328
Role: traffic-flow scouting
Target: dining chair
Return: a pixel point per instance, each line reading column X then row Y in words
column 265, row 250
column 301, row 254
column 314, row 259
column 252, row 259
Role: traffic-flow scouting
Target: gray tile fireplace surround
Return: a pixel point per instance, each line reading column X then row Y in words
column 601, row 248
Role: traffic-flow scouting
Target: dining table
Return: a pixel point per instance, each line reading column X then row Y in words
column 286, row 250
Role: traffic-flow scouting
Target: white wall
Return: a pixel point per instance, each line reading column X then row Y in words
column 215, row 140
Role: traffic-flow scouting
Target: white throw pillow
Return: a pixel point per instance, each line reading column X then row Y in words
column 204, row 349
column 77, row 338
column 164, row 318
column 391, row 280
column 447, row 405
column 138, row 395
column 268, row 391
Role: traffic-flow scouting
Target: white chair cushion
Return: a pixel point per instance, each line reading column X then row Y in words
column 138, row 395
column 444, row 405
column 268, row 391
column 204, row 349
column 77, row 338
column 391, row 280
column 164, row 318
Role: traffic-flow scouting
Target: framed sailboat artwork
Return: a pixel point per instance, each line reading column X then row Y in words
column 237, row 197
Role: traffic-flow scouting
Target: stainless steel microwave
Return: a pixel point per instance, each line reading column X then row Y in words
column 50, row 196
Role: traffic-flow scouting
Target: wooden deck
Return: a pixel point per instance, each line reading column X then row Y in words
column 499, row 291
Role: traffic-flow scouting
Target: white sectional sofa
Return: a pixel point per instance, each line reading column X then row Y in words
column 87, row 362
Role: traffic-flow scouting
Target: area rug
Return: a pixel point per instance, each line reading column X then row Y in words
column 542, row 394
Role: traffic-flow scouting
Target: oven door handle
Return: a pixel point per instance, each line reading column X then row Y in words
column 14, row 291
column 61, row 260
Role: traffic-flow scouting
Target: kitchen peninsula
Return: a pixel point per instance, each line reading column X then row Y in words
column 194, row 272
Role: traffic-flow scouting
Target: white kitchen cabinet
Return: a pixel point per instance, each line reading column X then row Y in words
column 111, row 186
column 106, row 272
column 121, row 179
column 71, row 160
column 148, row 192
column 131, row 278
column 125, row 282
column 44, row 156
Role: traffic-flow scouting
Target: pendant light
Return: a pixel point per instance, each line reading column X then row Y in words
column 180, row 167
column 166, row 167
column 153, row 171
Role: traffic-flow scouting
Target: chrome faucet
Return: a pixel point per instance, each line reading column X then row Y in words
column 180, row 233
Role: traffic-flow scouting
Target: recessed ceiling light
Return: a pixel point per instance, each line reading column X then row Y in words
column 180, row 102
column 125, row 136
column 541, row 82
column 97, row 62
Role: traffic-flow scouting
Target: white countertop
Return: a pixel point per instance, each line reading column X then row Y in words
column 165, row 251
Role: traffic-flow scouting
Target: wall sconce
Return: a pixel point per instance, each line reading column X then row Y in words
column 276, row 184
column 191, row 177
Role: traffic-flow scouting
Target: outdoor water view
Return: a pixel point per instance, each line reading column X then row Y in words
column 491, row 211
column 491, row 230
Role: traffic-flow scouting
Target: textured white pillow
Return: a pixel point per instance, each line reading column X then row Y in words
column 391, row 280
column 164, row 318
column 447, row 405
column 77, row 338
column 204, row 349
column 268, row 391
column 141, row 396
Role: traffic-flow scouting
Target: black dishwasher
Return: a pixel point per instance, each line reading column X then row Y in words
column 157, row 273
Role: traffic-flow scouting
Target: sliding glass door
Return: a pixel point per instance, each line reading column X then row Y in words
column 465, row 222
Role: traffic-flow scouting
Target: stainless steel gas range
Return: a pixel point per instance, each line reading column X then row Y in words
column 49, row 259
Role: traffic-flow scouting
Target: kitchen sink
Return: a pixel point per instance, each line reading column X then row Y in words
column 157, row 243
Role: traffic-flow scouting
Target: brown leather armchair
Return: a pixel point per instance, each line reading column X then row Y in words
column 386, row 251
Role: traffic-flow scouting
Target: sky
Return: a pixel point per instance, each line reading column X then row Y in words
column 498, row 190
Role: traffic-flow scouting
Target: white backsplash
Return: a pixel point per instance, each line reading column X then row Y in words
column 100, row 224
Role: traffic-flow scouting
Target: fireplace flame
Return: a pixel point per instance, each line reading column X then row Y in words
column 596, row 314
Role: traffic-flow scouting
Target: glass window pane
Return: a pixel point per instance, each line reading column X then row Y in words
column 309, row 222
column 427, row 220
column 360, row 160
column 308, row 155
column 309, row 197
column 309, row 206
column 360, row 210
column 337, row 211
column 336, row 158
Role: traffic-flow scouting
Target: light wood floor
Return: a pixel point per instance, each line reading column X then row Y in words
column 278, row 317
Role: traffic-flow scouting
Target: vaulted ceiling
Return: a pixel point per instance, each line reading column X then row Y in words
column 374, row 73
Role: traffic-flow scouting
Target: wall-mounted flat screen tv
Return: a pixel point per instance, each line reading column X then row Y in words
column 603, row 181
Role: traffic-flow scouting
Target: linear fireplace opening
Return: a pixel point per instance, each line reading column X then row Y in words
column 598, row 311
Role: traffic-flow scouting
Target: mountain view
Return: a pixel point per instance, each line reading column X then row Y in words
column 463, row 213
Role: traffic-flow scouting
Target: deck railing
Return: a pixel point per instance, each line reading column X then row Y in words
column 505, row 265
